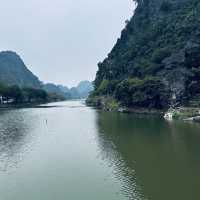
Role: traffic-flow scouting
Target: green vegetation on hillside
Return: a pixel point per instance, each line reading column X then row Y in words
column 156, row 62
column 16, row 95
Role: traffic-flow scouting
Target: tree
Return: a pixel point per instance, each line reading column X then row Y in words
column 15, row 93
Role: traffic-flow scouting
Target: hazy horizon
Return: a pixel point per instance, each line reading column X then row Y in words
column 61, row 42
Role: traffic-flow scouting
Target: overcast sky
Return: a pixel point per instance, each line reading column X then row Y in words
column 62, row 41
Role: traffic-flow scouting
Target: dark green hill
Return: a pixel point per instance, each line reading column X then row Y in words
column 14, row 72
column 156, row 61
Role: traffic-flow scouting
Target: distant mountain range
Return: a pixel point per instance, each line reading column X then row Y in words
column 13, row 71
column 82, row 90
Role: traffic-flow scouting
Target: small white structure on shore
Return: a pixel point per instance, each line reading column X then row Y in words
column 5, row 101
column 169, row 116
column 171, row 113
column 1, row 99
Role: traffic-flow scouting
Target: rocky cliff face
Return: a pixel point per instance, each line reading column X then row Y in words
column 156, row 62
column 14, row 72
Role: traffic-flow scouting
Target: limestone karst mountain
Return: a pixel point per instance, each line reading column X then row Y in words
column 13, row 71
column 156, row 61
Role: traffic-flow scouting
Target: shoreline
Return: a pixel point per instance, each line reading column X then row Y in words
column 26, row 105
column 110, row 104
column 183, row 113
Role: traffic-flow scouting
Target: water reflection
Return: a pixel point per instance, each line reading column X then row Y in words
column 154, row 159
column 14, row 133
column 150, row 158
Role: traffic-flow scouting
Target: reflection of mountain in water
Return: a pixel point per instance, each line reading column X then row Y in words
column 155, row 160
column 13, row 136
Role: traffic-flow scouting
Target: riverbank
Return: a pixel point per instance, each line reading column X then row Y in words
column 110, row 104
column 27, row 105
column 178, row 113
column 183, row 113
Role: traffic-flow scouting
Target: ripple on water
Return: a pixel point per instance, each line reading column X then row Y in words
column 15, row 133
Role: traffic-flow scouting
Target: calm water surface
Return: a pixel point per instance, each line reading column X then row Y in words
column 72, row 152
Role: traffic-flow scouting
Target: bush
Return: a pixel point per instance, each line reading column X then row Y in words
column 123, row 91
column 111, row 104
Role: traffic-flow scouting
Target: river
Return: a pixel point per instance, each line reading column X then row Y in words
column 68, row 151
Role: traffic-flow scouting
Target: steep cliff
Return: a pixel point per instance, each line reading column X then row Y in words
column 156, row 61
